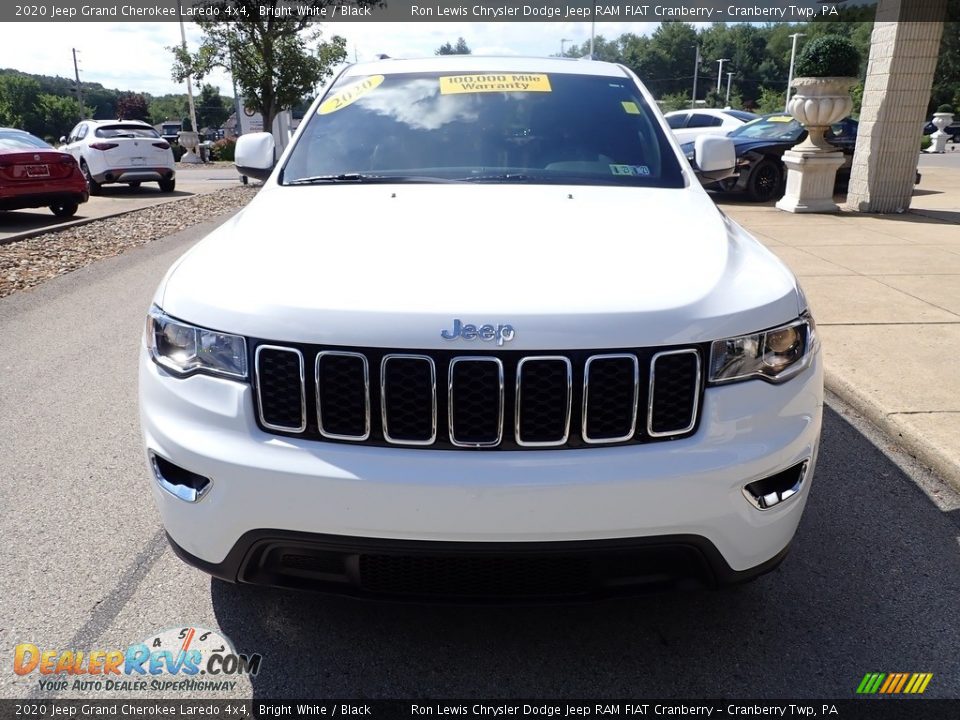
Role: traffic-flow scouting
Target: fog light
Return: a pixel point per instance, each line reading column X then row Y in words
column 776, row 489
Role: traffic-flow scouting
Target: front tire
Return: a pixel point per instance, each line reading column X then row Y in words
column 92, row 184
column 167, row 186
column 765, row 181
column 64, row 210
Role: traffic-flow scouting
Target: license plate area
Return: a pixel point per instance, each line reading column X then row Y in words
column 138, row 160
column 38, row 171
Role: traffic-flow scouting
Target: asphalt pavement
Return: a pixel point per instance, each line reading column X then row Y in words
column 871, row 584
column 118, row 199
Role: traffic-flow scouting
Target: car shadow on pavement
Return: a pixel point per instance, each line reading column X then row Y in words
column 870, row 585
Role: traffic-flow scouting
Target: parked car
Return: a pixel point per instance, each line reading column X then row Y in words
column 121, row 151
column 463, row 345
column 687, row 125
column 760, row 146
column 34, row 174
column 953, row 130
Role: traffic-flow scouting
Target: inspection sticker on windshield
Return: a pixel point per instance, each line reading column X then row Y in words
column 780, row 118
column 501, row 82
column 630, row 108
column 349, row 94
column 641, row 170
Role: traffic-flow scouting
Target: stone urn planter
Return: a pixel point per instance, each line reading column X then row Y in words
column 942, row 120
column 189, row 141
column 818, row 104
column 826, row 71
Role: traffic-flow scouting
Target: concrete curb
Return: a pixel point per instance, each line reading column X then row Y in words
column 912, row 440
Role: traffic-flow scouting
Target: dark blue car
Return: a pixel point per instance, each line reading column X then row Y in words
column 760, row 145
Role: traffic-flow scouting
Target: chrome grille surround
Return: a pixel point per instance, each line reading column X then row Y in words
column 366, row 385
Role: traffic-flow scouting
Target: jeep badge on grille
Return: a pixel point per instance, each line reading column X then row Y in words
column 500, row 333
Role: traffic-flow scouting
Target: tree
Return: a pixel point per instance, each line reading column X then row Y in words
column 18, row 102
column 212, row 109
column 770, row 101
column 168, row 107
column 461, row 48
column 275, row 60
column 59, row 114
column 132, row 106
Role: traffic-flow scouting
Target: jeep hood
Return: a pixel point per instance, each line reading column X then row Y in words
column 566, row 266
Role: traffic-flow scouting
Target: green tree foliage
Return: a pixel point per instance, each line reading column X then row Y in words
column 19, row 95
column 132, row 106
column 770, row 101
column 276, row 61
column 676, row 101
column 212, row 108
column 59, row 114
column 459, row 48
column 168, row 107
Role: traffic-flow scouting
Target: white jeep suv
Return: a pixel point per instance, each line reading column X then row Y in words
column 121, row 151
column 481, row 333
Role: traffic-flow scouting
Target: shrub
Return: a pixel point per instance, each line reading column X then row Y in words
column 945, row 109
column 223, row 149
column 178, row 151
column 829, row 56
column 925, row 142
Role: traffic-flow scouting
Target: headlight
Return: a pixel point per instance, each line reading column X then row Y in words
column 184, row 349
column 774, row 355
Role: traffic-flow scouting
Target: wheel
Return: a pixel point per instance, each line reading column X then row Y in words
column 64, row 210
column 167, row 185
column 92, row 184
column 764, row 182
column 135, row 184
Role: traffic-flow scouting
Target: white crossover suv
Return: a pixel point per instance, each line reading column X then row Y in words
column 481, row 333
column 121, row 151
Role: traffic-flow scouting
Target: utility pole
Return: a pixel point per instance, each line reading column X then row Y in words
column 793, row 57
column 76, row 74
column 696, row 76
column 720, row 72
column 729, row 80
column 562, row 41
column 593, row 29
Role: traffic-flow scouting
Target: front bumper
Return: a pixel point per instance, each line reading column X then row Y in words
column 267, row 488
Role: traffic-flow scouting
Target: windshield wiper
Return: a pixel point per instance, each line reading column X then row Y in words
column 360, row 178
column 507, row 177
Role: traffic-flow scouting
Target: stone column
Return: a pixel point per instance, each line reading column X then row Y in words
column 903, row 57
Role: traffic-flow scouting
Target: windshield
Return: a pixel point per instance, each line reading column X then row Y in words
column 504, row 127
column 134, row 131
column 21, row 141
column 774, row 127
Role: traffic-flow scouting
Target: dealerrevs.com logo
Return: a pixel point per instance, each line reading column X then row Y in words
column 179, row 659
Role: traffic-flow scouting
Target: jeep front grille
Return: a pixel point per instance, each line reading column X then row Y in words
column 487, row 400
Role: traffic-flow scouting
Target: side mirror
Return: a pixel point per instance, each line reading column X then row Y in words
column 255, row 155
column 714, row 158
column 63, row 139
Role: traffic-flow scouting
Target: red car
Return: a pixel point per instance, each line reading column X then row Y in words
column 33, row 174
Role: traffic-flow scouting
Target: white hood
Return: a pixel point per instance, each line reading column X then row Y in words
column 566, row 266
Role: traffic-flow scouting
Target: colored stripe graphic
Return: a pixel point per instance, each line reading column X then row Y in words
column 894, row 683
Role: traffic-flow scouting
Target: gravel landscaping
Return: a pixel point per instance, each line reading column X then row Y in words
column 29, row 262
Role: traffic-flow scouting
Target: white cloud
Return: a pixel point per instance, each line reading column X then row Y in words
column 134, row 55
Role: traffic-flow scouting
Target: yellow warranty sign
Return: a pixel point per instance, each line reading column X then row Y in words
column 499, row 82
column 349, row 94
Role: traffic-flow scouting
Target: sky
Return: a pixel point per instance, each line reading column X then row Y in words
column 134, row 55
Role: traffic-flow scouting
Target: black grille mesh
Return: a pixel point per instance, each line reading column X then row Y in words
column 281, row 402
column 474, row 576
column 342, row 392
column 476, row 405
column 408, row 400
column 674, row 392
column 544, row 400
column 610, row 402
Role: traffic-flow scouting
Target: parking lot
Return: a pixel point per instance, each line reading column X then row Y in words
column 117, row 199
column 871, row 583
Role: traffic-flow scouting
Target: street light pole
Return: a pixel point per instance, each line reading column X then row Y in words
column 729, row 80
column 793, row 57
column 562, row 41
column 720, row 72
column 696, row 76
column 183, row 41
column 593, row 29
